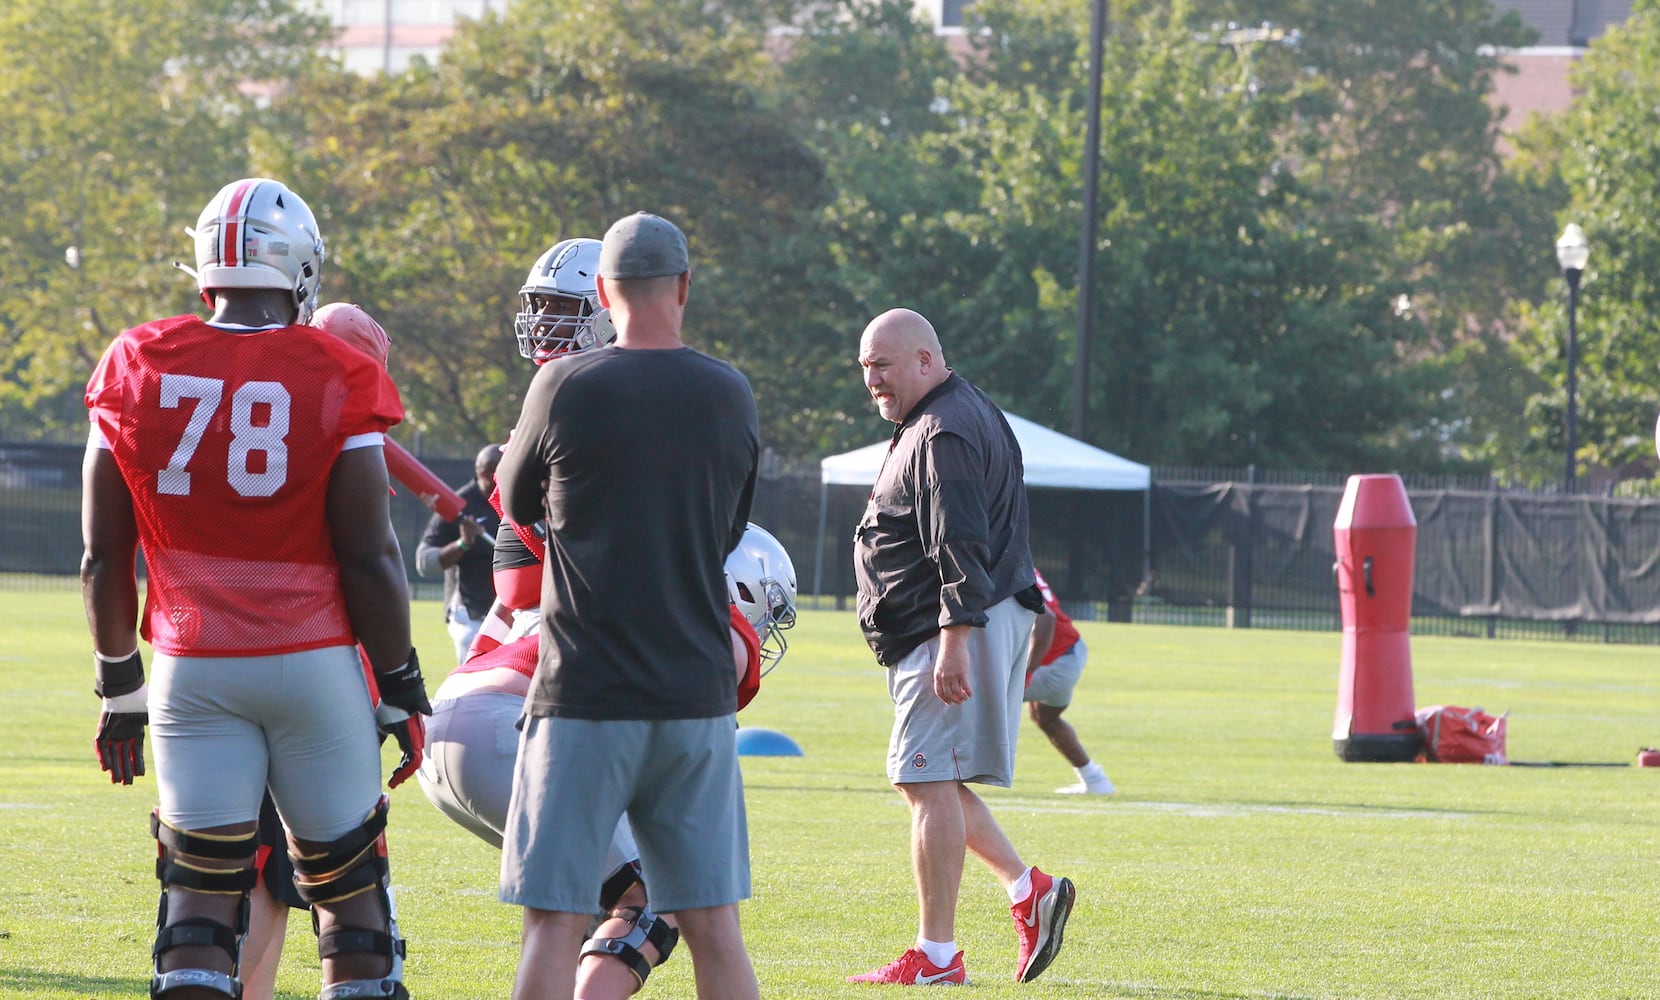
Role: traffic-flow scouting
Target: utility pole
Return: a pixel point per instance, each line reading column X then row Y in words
column 1086, row 242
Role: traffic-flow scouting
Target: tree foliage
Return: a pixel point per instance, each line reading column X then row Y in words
column 448, row 181
column 1310, row 253
column 1604, row 153
column 119, row 122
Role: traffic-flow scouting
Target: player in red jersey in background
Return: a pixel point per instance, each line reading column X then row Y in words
column 243, row 454
column 1054, row 662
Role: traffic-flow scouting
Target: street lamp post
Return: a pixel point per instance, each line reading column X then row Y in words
column 1086, row 243
column 1572, row 253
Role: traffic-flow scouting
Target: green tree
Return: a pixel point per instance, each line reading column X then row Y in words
column 1605, row 154
column 1264, row 210
column 120, row 122
column 867, row 80
column 1395, row 132
column 448, row 181
column 1227, row 330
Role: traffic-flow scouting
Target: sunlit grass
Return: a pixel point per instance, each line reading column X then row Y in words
column 1240, row 857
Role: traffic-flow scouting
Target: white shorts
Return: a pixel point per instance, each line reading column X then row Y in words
column 462, row 627
column 1052, row 684
column 472, row 743
column 974, row 741
column 223, row 728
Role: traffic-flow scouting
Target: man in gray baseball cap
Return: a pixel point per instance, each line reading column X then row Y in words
column 633, row 714
column 643, row 245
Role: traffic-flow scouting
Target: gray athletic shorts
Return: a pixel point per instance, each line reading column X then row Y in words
column 472, row 742
column 1052, row 683
column 974, row 741
column 223, row 728
column 679, row 783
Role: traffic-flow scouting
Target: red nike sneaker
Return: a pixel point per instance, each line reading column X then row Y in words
column 914, row 969
column 1039, row 920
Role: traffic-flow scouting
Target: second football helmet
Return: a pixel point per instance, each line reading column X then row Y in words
column 761, row 581
column 349, row 322
column 256, row 233
column 559, row 310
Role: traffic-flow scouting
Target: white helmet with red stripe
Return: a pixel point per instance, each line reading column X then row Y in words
column 256, row 233
column 760, row 579
column 559, row 311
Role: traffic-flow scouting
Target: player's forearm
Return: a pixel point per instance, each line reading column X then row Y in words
column 109, row 590
column 1043, row 635
column 377, row 602
column 109, row 534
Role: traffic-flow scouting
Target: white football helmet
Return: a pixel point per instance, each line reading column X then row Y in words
column 761, row 581
column 559, row 310
column 256, row 233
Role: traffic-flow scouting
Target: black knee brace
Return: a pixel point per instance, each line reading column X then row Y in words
column 181, row 857
column 648, row 927
column 349, row 865
column 623, row 879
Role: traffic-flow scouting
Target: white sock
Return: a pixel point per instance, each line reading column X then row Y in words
column 939, row 952
column 1091, row 774
column 1022, row 887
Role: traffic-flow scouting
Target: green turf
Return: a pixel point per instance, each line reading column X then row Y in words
column 1240, row 858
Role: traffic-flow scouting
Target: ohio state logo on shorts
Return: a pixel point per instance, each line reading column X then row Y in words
column 919, row 761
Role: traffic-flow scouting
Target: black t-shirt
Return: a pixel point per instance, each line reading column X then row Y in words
column 650, row 460
column 469, row 581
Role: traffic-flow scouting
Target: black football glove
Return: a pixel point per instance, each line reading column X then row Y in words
column 403, row 702
column 120, row 739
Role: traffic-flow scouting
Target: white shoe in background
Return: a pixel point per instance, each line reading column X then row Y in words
column 1102, row 787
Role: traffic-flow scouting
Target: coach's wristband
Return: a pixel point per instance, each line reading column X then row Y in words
column 116, row 677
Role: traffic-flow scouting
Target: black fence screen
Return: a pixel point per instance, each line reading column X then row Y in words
column 1195, row 552
column 40, row 514
column 1534, row 564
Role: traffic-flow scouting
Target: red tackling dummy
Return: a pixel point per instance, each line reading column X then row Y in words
column 350, row 323
column 419, row 480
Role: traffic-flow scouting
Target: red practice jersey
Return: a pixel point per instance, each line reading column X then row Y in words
column 1066, row 634
column 750, row 684
column 226, row 442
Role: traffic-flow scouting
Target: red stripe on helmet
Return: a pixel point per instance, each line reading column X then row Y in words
column 230, row 234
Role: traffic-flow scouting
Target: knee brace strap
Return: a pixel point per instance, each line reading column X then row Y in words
column 177, row 849
column 219, row 846
column 347, row 865
column 387, row 989
column 358, row 941
column 195, row 979
column 198, row 931
column 648, row 927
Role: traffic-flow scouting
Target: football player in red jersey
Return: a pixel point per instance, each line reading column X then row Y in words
column 472, row 740
column 243, row 454
column 274, row 894
column 1054, row 661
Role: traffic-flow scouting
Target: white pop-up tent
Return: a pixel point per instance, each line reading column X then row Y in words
column 1051, row 459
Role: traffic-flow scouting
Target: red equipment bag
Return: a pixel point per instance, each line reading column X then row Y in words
column 1454, row 735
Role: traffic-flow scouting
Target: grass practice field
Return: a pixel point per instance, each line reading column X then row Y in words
column 1240, row 857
